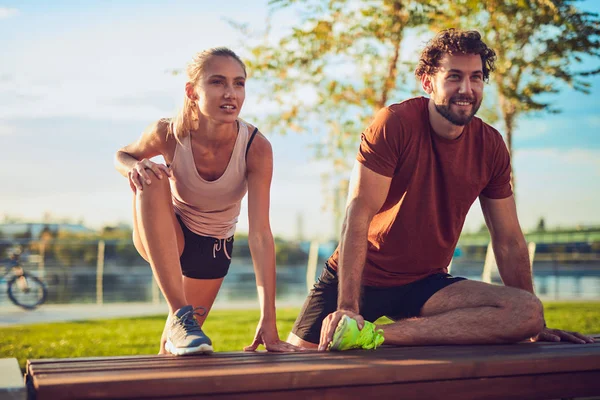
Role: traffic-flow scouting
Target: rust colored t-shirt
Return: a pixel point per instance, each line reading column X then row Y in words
column 434, row 183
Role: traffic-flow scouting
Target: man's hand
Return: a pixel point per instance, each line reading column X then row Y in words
column 557, row 335
column 266, row 334
column 331, row 322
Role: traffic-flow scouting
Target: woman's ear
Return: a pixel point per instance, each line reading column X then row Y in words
column 190, row 91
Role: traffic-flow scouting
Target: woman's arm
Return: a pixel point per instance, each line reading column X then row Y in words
column 260, row 239
column 133, row 160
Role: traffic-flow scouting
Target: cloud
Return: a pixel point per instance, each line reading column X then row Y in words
column 574, row 158
column 532, row 128
column 160, row 100
column 6, row 12
column 593, row 121
column 7, row 130
column 15, row 98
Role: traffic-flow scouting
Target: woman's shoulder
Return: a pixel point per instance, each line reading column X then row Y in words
column 161, row 130
column 260, row 144
column 164, row 127
column 260, row 152
column 158, row 134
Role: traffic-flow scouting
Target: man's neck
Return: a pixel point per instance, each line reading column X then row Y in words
column 441, row 126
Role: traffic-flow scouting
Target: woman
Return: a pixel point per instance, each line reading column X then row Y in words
column 185, row 212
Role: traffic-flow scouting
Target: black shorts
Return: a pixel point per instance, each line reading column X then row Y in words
column 395, row 302
column 204, row 257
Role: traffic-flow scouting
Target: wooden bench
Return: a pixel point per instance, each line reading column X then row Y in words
column 519, row 371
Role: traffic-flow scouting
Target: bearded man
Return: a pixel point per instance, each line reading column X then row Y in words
column 420, row 166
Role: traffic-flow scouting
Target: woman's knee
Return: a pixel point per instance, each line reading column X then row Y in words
column 157, row 187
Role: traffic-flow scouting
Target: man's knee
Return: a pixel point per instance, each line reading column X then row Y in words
column 527, row 312
column 535, row 318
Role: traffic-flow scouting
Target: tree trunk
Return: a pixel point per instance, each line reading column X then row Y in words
column 509, row 115
column 390, row 80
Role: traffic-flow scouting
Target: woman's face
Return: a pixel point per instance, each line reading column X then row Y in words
column 221, row 89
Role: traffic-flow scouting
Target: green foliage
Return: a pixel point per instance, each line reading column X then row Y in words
column 74, row 249
column 333, row 71
column 540, row 45
column 313, row 61
column 289, row 253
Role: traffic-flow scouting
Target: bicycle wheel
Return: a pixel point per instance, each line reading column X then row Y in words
column 29, row 293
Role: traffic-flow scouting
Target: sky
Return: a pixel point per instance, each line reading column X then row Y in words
column 79, row 80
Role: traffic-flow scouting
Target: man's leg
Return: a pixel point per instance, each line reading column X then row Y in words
column 470, row 312
column 321, row 301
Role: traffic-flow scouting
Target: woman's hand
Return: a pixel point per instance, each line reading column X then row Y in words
column 140, row 173
column 266, row 334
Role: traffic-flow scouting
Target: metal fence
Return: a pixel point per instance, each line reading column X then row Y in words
column 111, row 271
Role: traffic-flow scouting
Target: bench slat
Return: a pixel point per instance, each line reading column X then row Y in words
column 247, row 374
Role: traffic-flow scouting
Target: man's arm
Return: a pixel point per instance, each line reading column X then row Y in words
column 512, row 257
column 508, row 242
column 367, row 193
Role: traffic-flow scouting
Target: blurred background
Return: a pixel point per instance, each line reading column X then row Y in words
column 79, row 80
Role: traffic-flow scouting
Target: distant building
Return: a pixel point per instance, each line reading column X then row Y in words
column 33, row 230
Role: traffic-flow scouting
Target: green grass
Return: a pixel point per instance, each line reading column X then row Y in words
column 230, row 331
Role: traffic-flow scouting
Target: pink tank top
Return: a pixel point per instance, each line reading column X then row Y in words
column 209, row 208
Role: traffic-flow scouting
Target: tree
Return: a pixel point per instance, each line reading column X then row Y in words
column 541, row 226
column 335, row 70
column 539, row 43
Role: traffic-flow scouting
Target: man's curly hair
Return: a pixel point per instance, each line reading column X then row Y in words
column 454, row 41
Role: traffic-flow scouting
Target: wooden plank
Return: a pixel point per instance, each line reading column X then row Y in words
column 522, row 387
column 438, row 353
column 236, row 373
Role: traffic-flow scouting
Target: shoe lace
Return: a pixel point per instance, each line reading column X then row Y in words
column 189, row 322
column 370, row 338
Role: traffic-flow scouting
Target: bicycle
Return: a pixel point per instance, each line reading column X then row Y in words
column 24, row 289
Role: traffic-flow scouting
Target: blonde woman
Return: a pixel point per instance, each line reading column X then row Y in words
column 185, row 212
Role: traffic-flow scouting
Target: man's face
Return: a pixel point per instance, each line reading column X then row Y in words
column 457, row 87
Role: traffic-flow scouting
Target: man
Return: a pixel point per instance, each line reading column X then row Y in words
column 421, row 165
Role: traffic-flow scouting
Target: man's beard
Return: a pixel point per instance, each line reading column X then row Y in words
column 454, row 118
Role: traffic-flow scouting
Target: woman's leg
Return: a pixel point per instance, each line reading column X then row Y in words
column 158, row 238
column 201, row 293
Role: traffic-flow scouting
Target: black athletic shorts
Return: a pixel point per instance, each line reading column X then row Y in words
column 395, row 302
column 204, row 257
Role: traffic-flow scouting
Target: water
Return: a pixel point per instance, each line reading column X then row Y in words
column 134, row 284
column 291, row 285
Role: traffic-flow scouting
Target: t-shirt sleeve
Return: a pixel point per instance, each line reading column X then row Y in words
column 499, row 186
column 380, row 144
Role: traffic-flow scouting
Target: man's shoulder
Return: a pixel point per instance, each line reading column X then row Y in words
column 408, row 107
column 486, row 130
